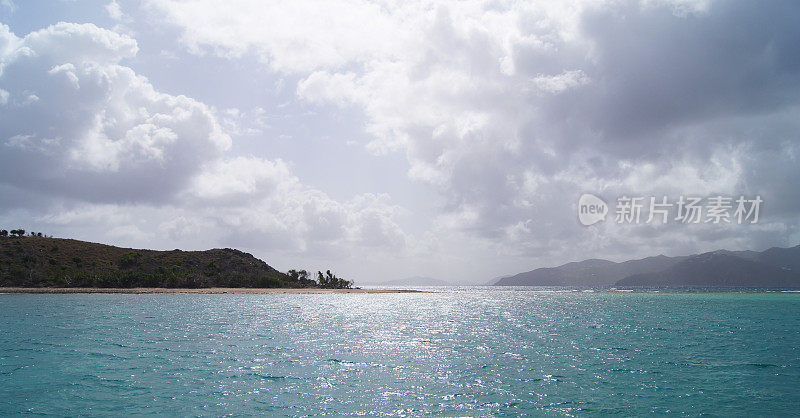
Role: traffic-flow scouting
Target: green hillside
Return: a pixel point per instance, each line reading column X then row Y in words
column 31, row 261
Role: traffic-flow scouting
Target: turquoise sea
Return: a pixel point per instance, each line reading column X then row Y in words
column 455, row 352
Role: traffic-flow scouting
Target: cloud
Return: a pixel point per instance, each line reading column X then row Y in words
column 89, row 145
column 252, row 195
column 288, row 36
column 113, row 10
column 79, row 124
column 8, row 5
column 509, row 111
column 662, row 70
column 561, row 82
column 512, row 110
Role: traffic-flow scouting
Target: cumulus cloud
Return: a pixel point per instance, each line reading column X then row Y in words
column 89, row 144
column 77, row 123
column 256, row 196
column 511, row 110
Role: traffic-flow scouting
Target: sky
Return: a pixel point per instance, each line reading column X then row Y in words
column 385, row 140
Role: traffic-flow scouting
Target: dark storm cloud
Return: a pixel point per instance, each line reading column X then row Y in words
column 656, row 70
column 677, row 103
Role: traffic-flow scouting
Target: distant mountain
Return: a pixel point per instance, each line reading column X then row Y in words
column 718, row 268
column 416, row 281
column 775, row 267
column 747, row 254
column 782, row 258
column 492, row 282
column 593, row 272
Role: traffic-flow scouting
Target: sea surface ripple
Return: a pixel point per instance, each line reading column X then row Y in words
column 462, row 352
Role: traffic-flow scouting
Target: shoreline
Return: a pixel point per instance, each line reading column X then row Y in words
column 203, row 291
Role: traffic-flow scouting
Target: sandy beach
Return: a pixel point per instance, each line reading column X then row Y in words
column 211, row 290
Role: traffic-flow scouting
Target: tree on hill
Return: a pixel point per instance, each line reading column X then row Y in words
column 130, row 259
column 3, row 233
column 298, row 274
column 301, row 277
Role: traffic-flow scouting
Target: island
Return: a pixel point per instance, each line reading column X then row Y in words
column 35, row 263
column 774, row 267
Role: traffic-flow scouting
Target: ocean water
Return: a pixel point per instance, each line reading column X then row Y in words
column 458, row 352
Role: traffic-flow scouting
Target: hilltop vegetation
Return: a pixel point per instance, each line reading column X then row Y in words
column 326, row 281
column 37, row 261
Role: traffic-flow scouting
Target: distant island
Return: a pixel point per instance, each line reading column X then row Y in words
column 35, row 260
column 775, row 267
